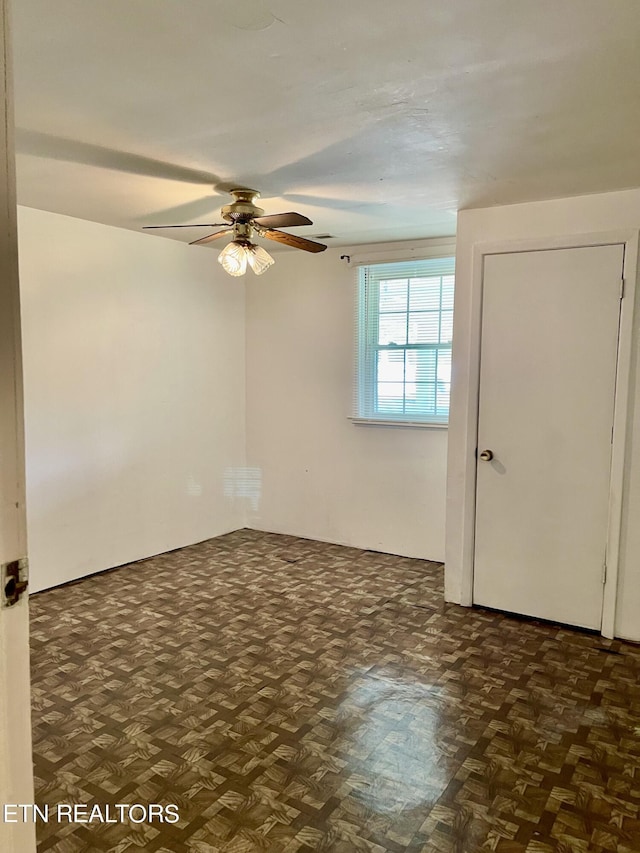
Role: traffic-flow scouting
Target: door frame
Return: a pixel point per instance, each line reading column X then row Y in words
column 622, row 408
column 16, row 765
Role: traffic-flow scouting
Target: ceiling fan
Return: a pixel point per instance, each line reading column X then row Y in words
column 243, row 218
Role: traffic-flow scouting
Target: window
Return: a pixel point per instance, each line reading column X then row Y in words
column 404, row 330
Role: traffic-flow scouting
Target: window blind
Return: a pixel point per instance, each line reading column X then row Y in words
column 404, row 327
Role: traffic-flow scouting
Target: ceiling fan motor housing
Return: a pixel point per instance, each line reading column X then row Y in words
column 243, row 208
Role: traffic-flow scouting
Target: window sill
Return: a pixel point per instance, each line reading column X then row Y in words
column 385, row 423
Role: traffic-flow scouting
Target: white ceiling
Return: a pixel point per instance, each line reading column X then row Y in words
column 376, row 119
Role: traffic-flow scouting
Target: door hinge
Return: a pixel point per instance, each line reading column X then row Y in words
column 604, row 572
column 15, row 579
column 622, row 288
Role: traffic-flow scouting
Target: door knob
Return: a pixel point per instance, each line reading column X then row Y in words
column 486, row 455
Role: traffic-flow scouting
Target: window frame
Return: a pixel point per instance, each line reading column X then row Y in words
column 367, row 313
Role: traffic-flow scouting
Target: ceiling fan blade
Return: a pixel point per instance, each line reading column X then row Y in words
column 203, row 225
column 282, row 220
column 291, row 240
column 211, row 237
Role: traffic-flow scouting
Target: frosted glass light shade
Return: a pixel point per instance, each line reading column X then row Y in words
column 259, row 259
column 234, row 259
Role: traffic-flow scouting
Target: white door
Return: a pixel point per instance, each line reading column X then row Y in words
column 547, row 383
column 16, row 774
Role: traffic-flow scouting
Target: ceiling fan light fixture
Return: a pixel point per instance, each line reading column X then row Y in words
column 235, row 255
column 259, row 259
column 243, row 218
column 234, row 258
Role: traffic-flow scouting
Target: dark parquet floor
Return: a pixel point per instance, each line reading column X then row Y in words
column 289, row 695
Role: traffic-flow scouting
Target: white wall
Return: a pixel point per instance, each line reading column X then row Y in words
column 381, row 488
column 549, row 219
column 134, row 395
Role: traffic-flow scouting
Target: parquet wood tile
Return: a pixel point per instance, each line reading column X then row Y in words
column 294, row 696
